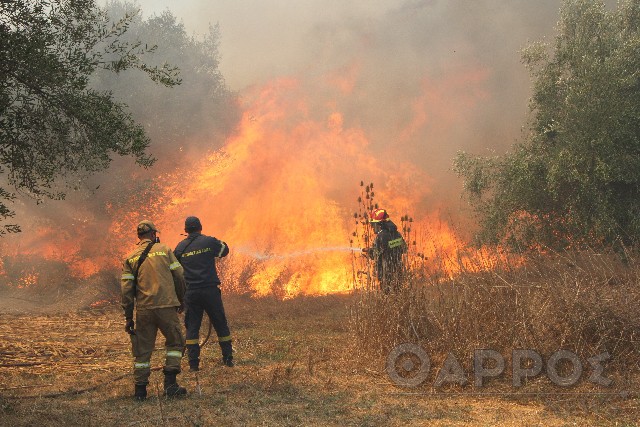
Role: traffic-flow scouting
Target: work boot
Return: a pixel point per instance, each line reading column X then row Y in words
column 171, row 387
column 227, row 353
column 228, row 361
column 141, row 392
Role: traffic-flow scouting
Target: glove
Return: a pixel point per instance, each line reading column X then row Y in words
column 129, row 327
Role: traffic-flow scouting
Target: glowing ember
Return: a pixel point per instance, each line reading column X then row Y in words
column 100, row 304
column 27, row 280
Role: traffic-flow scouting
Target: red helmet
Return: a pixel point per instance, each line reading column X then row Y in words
column 378, row 215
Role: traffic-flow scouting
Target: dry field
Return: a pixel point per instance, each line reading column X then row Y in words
column 295, row 366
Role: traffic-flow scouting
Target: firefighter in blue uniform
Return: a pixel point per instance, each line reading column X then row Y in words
column 197, row 254
column 386, row 251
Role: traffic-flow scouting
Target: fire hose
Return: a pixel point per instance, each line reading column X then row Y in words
column 206, row 340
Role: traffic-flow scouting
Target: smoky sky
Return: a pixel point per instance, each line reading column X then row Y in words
column 264, row 39
column 422, row 79
column 426, row 78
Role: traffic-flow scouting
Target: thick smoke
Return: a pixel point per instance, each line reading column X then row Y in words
column 424, row 79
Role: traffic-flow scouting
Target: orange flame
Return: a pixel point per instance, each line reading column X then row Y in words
column 277, row 191
column 27, row 280
column 281, row 193
column 52, row 244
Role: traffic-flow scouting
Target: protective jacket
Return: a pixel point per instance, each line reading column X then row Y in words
column 197, row 254
column 388, row 248
column 160, row 281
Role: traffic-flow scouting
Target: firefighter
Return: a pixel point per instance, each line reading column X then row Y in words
column 386, row 251
column 153, row 278
column 197, row 254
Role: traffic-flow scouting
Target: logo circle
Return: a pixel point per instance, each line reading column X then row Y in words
column 408, row 365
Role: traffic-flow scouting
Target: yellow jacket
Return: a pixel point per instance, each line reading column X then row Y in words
column 160, row 279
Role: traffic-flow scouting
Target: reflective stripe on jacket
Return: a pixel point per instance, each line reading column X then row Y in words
column 388, row 248
column 160, row 279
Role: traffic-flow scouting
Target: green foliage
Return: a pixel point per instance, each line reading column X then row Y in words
column 576, row 179
column 183, row 122
column 201, row 109
column 52, row 124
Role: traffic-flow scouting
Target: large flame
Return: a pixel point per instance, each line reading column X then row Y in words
column 281, row 193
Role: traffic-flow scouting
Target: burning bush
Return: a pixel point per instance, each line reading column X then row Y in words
column 35, row 272
column 36, row 283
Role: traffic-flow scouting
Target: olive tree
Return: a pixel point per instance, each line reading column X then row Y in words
column 52, row 123
column 575, row 179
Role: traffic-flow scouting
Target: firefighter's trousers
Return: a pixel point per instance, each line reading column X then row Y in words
column 207, row 300
column 148, row 321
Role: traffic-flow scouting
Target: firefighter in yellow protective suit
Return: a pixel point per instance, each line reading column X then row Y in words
column 153, row 278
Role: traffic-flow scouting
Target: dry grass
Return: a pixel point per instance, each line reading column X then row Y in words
column 296, row 366
column 586, row 303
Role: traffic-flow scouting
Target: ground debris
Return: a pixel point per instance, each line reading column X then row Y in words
column 294, row 367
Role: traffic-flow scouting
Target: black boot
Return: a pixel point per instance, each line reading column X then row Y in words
column 193, row 351
column 171, row 387
column 141, row 392
column 228, row 361
column 227, row 353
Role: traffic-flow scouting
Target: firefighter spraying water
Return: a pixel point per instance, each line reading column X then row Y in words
column 387, row 250
column 197, row 254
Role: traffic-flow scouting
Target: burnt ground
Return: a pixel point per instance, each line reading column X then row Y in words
column 295, row 366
